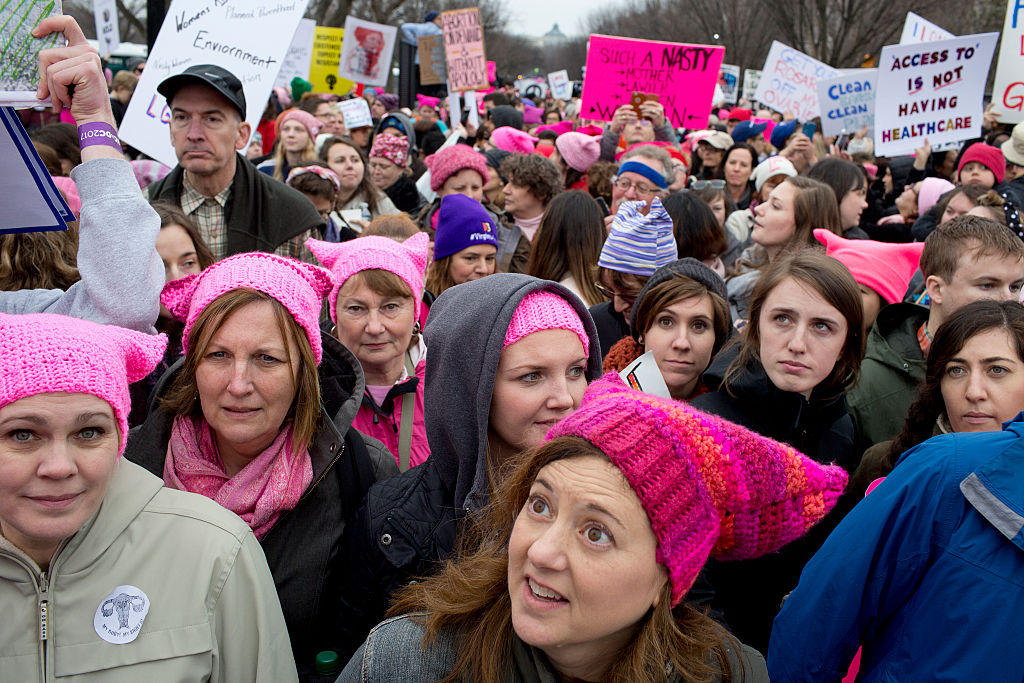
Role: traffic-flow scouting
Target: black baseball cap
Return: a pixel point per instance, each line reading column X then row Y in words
column 218, row 78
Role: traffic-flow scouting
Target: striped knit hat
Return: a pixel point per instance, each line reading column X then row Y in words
column 639, row 244
column 709, row 487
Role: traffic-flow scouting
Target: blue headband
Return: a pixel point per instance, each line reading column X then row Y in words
column 644, row 170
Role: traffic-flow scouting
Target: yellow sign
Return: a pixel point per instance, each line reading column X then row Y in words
column 323, row 68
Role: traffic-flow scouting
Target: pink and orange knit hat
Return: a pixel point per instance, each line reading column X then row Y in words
column 299, row 287
column 884, row 267
column 545, row 310
column 709, row 487
column 407, row 260
column 42, row 353
column 394, row 148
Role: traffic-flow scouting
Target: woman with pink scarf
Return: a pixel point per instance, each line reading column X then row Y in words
column 257, row 417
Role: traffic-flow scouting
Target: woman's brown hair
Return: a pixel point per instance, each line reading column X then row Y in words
column 366, row 189
column 469, row 596
column 677, row 289
column 951, row 337
column 569, row 240
column 814, row 206
column 182, row 398
column 171, row 214
column 439, row 277
column 39, row 260
column 833, row 282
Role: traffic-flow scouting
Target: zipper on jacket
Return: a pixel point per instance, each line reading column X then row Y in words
column 44, row 621
column 308, row 491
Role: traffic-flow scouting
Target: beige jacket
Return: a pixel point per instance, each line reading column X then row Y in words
column 183, row 576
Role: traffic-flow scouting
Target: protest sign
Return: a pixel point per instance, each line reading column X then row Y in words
column 300, row 53
column 356, row 113
column 366, row 51
column 917, row 29
column 729, row 81
column 249, row 42
column 29, row 201
column 751, row 77
column 931, row 90
column 464, row 49
column 683, row 77
column 19, row 67
column 561, row 86
column 433, row 68
column 789, row 82
column 848, row 102
column 108, row 34
column 323, row 68
column 1008, row 90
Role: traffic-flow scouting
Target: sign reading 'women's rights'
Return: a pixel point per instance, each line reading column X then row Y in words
column 931, row 90
column 683, row 77
column 464, row 49
column 789, row 82
column 248, row 39
column 848, row 102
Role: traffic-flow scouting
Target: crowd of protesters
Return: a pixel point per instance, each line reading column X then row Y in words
column 322, row 403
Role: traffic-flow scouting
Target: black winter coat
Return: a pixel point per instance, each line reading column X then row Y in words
column 302, row 547
column 750, row 592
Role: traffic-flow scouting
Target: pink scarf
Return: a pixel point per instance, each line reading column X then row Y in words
column 269, row 484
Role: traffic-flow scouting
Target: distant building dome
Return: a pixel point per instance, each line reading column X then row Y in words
column 554, row 37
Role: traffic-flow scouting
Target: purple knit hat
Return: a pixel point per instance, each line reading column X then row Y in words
column 545, row 310
column 578, row 150
column 446, row 162
column 512, row 140
column 394, row 148
column 42, row 353
column 299, row 287
column 406, row 259
column 709, row 487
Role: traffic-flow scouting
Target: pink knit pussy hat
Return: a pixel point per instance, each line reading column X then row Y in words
column 41, row 353
column 579, row 151
column 311, row 123
column 709, row 487
column 545, row 310
column 445, row 163
column 407, row 260
column 512, row 140
column 299, row 287
column 884, row 267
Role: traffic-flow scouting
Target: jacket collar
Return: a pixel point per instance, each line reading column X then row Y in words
column 996, row 489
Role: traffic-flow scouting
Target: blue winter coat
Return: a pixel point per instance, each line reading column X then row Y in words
column 927, row 573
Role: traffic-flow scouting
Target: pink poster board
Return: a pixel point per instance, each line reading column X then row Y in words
column 682, row 75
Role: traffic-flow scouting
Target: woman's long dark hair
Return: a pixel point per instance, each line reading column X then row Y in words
column 366, row 187
column 951, row 337
column 696, row 229
column 569, row 240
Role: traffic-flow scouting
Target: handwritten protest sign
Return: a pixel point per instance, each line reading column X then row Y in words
column 682, row 75
column 751, row 77
column 848, row 102
column 931, row 90
column 464, row 49
column 433, row 68
column 249, row 41
column 323, row 68
column 1008, row 90
column 300, row 53
column 19, row 65
column 789, row 81
column 729, row 82
column 356, row 113
column 108, row 34
column 917, row 29
column 561, row 86
column 366, row 51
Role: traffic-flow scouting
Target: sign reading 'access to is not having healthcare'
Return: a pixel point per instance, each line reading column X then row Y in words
column 931, row 90
column 683, row 76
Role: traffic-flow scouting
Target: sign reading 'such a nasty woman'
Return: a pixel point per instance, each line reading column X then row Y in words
column 931, row 90
column 248, row 39
column 683, row 77
column 464, row 49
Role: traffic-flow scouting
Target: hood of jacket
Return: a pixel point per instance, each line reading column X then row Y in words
column 893, row 338
column 410, row 132
column 465, row 333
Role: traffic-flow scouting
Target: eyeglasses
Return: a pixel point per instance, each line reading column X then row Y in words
column 628, row 299
column 641, row 189
column 701, row 184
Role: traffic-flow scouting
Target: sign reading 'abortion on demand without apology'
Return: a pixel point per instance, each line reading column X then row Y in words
column 682, row 76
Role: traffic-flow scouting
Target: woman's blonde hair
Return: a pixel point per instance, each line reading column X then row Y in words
column 39, row 260
column 305, row 414
column 308, row 154
column 470, row 597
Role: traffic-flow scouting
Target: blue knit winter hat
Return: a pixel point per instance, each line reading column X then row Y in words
column 639, row 244
column 462, row 222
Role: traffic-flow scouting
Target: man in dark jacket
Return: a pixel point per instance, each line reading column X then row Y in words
column 236, row 208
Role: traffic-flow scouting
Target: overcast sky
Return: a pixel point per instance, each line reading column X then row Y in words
column 535, row 17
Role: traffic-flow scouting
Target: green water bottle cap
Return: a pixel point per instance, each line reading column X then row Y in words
column 327, row 663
